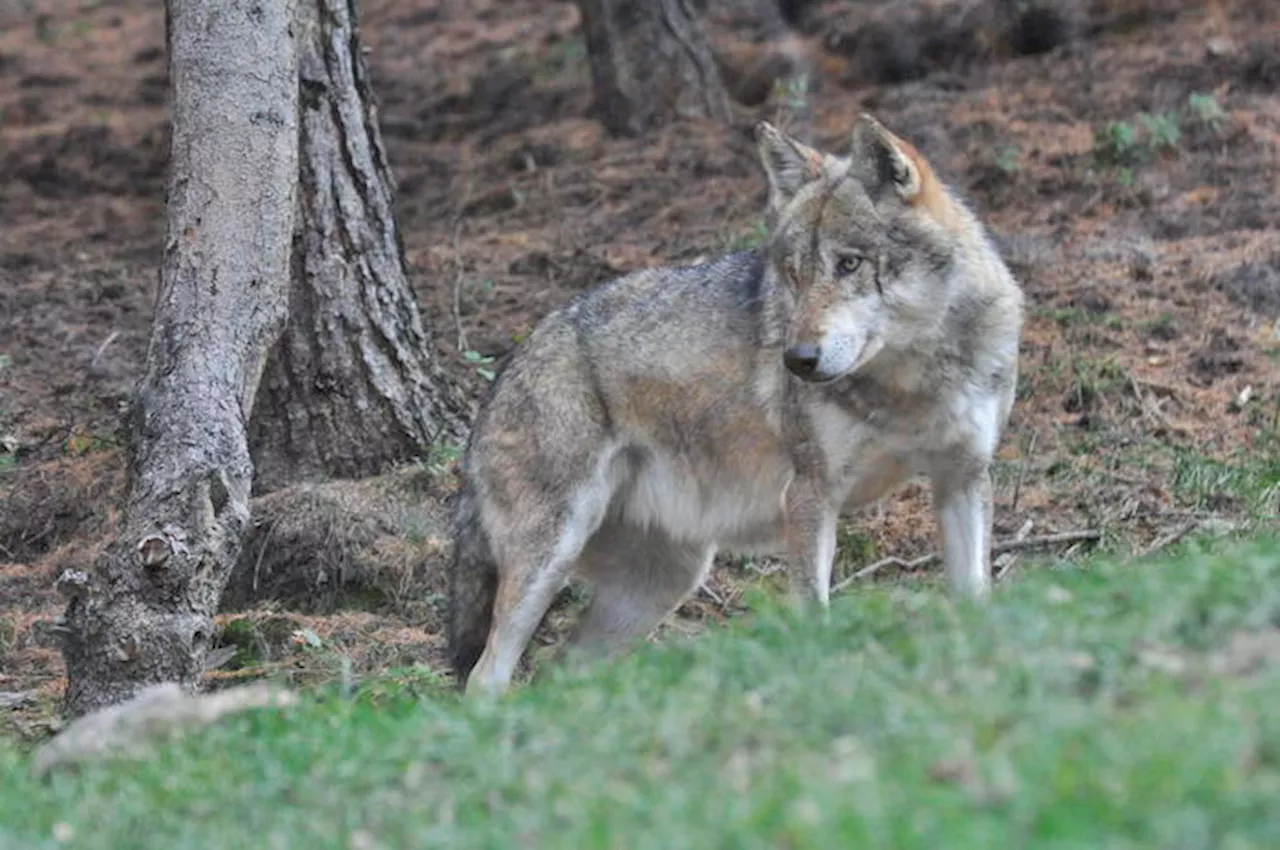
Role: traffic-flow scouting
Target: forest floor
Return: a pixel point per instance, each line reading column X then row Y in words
column 1130, row 176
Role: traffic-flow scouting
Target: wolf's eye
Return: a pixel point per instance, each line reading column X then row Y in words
column 846, row 266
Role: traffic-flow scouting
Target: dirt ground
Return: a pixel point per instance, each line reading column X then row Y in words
column 1129, row 173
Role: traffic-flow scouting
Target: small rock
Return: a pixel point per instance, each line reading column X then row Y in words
column 162, row 710
column 1243, row 397
column 1219, row 46
column 14, row 699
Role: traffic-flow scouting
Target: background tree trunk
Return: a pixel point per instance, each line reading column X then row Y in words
column 145, row 615
column 352, row 385
column 651, row 63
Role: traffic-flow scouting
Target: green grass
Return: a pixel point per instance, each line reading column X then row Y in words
column 1081, row 709
column 1250, row 478
column 746, row 238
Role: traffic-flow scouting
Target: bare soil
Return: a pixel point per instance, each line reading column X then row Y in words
column 1150, row 378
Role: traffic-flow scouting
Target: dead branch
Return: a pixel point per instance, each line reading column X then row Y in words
column 459, row 271
column 1152, row 409
column 1170, row 537
column 1022, row 471
column 1005, row 562
column 1015, row 545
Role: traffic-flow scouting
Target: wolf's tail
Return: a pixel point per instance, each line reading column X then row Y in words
column 473, row 584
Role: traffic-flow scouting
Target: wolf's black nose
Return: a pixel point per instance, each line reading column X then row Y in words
column 802, row 359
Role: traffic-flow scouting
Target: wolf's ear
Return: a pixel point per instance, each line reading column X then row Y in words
column 881, row 160
column 788, row 163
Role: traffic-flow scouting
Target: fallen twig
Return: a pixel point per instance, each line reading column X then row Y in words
column 707, row 591
column 1171, row 537
column 459, row 270
column 1152, row 408
column 1084, row 536
column 1004, row 563
column 97, row 355
column 999, row 548
column 459, row 273
column 892, row 561
column 1022, row 471
column 1159, row 387
column 1123, row 479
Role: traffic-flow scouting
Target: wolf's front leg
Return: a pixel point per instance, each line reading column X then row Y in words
column 962, row 503
column 811, row 542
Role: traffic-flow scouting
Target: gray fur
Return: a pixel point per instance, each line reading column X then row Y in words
column 651, row 421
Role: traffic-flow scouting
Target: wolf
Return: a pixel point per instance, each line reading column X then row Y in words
column 741, row 404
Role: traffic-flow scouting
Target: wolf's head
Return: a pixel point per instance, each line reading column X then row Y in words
column 863, row 244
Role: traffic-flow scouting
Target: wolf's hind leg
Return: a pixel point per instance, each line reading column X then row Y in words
column 539, row 553
column 639, row 577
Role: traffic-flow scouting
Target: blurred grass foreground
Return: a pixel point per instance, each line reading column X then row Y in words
column 1105, row 706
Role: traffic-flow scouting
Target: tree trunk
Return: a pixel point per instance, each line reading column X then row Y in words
column 352, row 385
column 145, row 615
column 651, row 64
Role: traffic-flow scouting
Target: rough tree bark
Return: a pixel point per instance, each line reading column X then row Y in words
column 145, row 614
column 352, row 385
column 651, row 63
